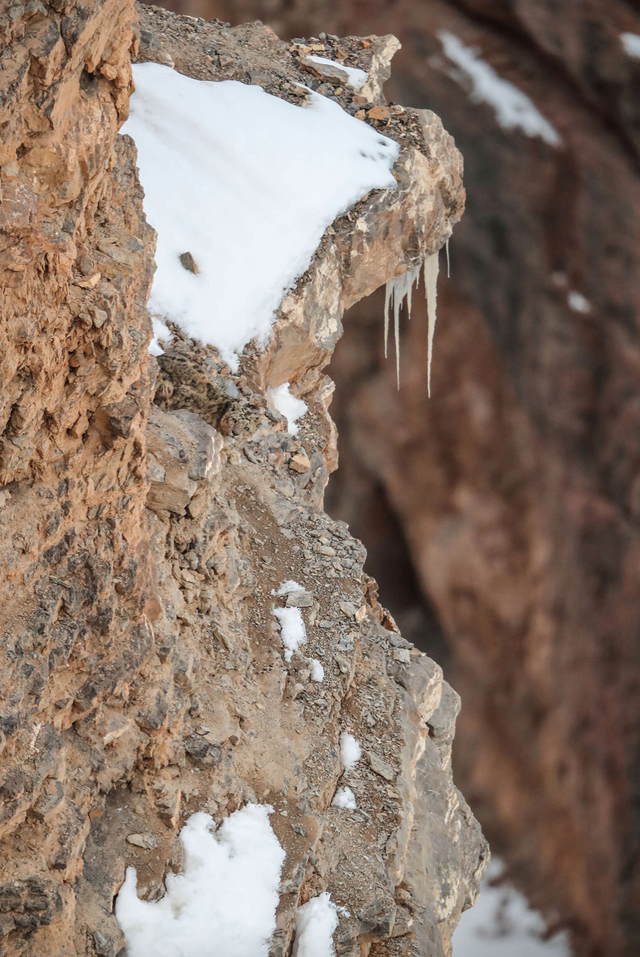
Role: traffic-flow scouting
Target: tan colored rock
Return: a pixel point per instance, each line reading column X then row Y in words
column 142, row 543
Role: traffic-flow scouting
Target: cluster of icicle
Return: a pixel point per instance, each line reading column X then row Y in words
column 401, row 288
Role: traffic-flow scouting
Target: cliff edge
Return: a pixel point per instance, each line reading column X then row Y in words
column 156, row 513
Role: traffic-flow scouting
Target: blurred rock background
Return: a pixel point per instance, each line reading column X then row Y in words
column 502, row 516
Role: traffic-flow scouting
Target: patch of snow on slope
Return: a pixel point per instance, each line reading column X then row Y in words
column 346, row 799
column 502, row 924
column 287, row 405
column 350, row 751
column 246, row 184
column 315, row 923
column 287, row 587
column 578, row 302
column 292, row 629
column 513, row 108
column 631, row 44
column 224, row 901
column 160, row 331
column 317, row 671
column 357, row 78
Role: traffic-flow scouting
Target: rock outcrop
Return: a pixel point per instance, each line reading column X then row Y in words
column 516, row 486
column 150, row 510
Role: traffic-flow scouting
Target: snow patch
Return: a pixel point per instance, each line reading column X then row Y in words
column 242, row 186
column 287, row 405
column 513, row 108
column 631, row 44
column 160, row 331
column 357, row 78
column 292, row 629
column 315, row 923
column 345, row 798
column 502, row 924
column 350, row 751
column 287, row 587
column 205, row 911
column 578, row 302
column 317, row 671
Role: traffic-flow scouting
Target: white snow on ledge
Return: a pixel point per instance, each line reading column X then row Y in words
column 224, row 902
column 287, row 405
column 513, row 108
column 357, row 78
column 246, row 183
column 631, row 44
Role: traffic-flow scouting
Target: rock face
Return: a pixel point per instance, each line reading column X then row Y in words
column 150, row 510
column 516, row 486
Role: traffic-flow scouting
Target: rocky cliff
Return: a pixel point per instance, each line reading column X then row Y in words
column 511, row 498
column 150, row 510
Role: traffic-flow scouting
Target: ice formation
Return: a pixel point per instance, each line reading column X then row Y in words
column 315, row 923
column 233, row 175
column 224, row 902
column 350, row 751
column 292, row 629
column 513, row 108
column 401, row 288
column 287, row 405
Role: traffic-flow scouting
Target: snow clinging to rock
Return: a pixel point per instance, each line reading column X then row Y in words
column 513, row 108
column 240, row 186
column 287, row 405
column 224, row 901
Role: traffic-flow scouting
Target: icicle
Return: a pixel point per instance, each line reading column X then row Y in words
column 430, row 283
column 397, row 290
column 448, row 262
column 387, row 299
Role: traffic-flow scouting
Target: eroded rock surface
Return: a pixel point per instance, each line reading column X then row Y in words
column 150, row 510
column 516, row 485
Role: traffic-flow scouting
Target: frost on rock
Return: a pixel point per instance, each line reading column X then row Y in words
column 287, row 405
column 223, row 904
column 357, row 78
column 401, row 288
column 235, row 176
column 292, row 629
column 345, row 798
column 350, row 751
column 316, row 922
column 631, row 44
column 513, row 108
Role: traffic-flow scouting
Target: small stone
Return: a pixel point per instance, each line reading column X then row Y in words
column 326, row 550
column 189, row 263
column 402, row 655
column 379, row 113
column 299, row 599
column 360, row 115
column 300, row 462
column 380, row 767
column 348, row 608
column 146, row 841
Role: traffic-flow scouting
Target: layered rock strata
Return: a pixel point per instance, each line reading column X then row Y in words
column 150, row 510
